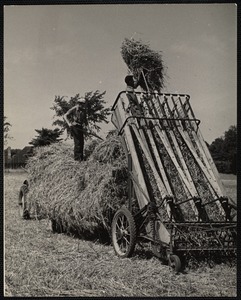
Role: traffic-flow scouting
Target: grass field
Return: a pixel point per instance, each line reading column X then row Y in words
column 40, row 263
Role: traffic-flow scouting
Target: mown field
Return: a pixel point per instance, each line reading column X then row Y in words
column 41, row 263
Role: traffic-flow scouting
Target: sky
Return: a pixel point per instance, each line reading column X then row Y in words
column 62, row 50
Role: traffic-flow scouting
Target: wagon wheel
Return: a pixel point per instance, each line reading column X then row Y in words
column 175, row 263
column 123, row 232
column 22, row 201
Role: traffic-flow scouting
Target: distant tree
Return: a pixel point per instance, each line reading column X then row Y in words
column 6, row 129
column 230, row 143
column 216, row 149
column 224, row 151
column 46, row 137
column 230, row 148
column 94, row 109
column 15, row 151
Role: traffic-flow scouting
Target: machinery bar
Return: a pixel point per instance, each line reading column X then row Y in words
column 146, row 93
column 153, row 118
column 207, row 249
column 160, row 184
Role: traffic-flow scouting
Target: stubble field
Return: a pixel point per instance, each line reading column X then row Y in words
column 41, row 263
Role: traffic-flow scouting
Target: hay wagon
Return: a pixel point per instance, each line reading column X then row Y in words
column 181, row 206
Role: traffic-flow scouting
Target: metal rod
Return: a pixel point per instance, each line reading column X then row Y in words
column 154, row 118
column 184, row 201
column 151, row 93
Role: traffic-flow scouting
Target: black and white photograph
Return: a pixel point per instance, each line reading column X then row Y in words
column 120, row 150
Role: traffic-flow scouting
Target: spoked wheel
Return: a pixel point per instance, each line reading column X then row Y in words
column 22, row 201
column 123, row 231
column 175, row 263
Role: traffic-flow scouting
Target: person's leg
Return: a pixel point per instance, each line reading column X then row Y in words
column 134, row 104
column 135, row 108
column 78, row 144
column 81, row 145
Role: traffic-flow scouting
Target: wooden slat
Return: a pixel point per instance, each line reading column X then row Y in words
column 159, row 182
column 213, row 183
column 207, row 154
column 176, row 146
column 159, row 162
column 135, row 161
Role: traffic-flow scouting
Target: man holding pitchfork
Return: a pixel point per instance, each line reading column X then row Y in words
column 76, row 120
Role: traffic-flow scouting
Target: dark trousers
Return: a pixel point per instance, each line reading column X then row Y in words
column 135, row 107
column 134, row 104
column 78, row 136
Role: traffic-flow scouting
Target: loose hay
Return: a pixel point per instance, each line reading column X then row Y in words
column 139, row 57
column 81, row 196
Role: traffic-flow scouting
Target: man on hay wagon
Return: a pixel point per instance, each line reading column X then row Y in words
column 76, row 119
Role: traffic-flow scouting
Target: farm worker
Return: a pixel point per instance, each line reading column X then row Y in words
column 76, row 119
column 135, row 107
column 131, row 85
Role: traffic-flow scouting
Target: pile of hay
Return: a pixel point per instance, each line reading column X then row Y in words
column 139, row 57
column 82, row 197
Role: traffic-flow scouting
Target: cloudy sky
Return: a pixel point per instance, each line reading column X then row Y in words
column 70, row 49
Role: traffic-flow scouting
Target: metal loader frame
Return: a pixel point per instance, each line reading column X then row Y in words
column 182, row 204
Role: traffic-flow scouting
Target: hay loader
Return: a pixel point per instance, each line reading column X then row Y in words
column 177, row 202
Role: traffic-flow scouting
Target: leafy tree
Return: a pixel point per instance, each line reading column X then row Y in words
column 230, row 143
column 224, row 151
column 6, row 129
column 46, row 137
column 15, row 151
column 216, row 149
column 94, row 109
column 230, row 148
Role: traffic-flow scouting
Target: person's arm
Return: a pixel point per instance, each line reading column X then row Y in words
column 66, row 116
column 136, row 82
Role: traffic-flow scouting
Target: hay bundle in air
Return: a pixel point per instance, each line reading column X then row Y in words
column 139, row 57
column 81, row 196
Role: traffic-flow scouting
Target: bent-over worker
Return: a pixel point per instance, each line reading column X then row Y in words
column 131, row 85
column 76, row 119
